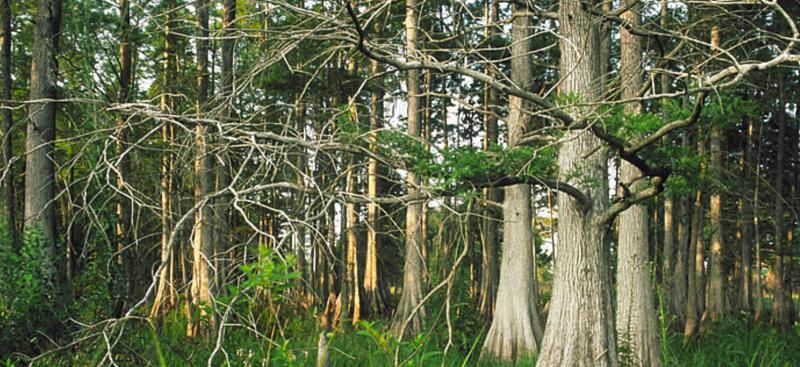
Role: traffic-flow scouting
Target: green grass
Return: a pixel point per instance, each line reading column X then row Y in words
column 730, row 343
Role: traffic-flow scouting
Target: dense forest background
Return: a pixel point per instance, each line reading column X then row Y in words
column 416, row 183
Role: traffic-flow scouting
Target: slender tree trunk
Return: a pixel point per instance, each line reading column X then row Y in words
column 167, row 270
column 744, row 210
column 123, row 208
column 374, row 298
column 695, row 299
column 409, row 315
column 636, row 315
column 516, row 330
column 780, row 306
column 580, row 324
column 758, row 289
column 487, row 291
column 202, row 244
column 224, row 217
column 7, row 186
column 678, row 285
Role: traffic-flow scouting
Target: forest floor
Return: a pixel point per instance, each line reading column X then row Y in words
column 734, row 342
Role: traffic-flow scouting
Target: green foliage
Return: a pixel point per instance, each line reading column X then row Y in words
column 27, row 293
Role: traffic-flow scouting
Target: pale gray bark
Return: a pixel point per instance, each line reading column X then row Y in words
column 39, row 213
column 636, row 315
column 580, row 324
column 515, row 329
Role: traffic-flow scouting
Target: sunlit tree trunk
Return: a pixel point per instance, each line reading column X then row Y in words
column 408, row 316
column 373, row 296
column 166, row 285
column 202, row 243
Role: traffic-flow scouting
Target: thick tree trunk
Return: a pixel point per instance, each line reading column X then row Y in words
column 7, row 186
column 409, row 315
column 580, row 325
column 41, row 128
column 678, row 284
column 516, row 329
column 636, row 315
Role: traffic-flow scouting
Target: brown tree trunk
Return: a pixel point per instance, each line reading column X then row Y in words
column 696, row 290
column 516, row 330
column 374, row 298
column 636, row 315
column 202, row 244
column 758, row 306
column 7, row 186
column 165, row 287
column 744, row 209
column 780, row 306
column 487, row 291
column 409, row 315
column 580, row 324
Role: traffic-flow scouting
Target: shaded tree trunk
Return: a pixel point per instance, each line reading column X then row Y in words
column 7, row 186
column 636, row 315
column 516, row 330
column 696, row 290
column 487, row 291
column 781, row 316
column 39, row 213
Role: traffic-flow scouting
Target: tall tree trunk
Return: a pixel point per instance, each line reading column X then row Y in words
column 7, row 186
column 745, row 296
column 487, row 291
column 516, row 329
column 758, row 307
column 580, row 324
column 373, row 296
column 636, row 315
column 39, row 168
column 780, row 306
column 167, row 267
column 123, row 208
column 203, row 242
column 223, row 216
column 409, row 315
column 695, row 300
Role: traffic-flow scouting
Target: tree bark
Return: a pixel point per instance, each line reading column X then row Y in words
column 580, row 325
column 374, row 298
column 487, row 291
column 408, row 317
column 696, row 290
column 516, row 330
column 744, row 209
column 7, row 186
column 780, row 306
column 41, row 131
column 203, row 242
column 636, row 315
column 167, row 271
